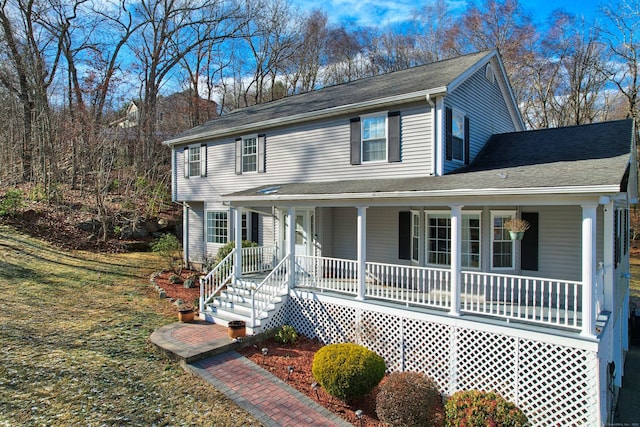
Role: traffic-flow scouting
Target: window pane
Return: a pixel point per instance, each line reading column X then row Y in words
column 374, row 150
column 374, row 128
column 217, row 225
column 374, row 139
column 194, row 161
column 502, row 245
column 439, row 240
column 249, row 154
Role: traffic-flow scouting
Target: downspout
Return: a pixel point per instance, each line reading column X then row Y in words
column 434, row 155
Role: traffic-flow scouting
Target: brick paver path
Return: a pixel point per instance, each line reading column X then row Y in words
column 272, row 401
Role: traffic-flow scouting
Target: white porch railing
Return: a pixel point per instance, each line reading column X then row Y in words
column 272, row 287
column 326, row 274
column 259, row 258
column 216, row 279
column 424, row 286
column 531, row 299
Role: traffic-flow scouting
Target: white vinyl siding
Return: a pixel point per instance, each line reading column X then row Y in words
column 482, row 101
column 310, row 152
column 195, row 235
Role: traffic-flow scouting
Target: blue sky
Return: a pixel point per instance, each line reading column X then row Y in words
column 377, row 12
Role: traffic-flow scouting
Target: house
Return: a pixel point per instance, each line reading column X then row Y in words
column 380, row 209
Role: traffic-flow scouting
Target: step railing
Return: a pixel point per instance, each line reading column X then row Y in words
column 216, row 279
column 530, row 299
column 272, row 287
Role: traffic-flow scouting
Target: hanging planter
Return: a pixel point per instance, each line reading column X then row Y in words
column 516, row 227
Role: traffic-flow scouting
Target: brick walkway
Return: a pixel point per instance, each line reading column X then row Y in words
column 206, row 350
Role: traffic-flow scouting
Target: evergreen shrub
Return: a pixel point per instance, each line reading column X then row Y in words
column 347, row 371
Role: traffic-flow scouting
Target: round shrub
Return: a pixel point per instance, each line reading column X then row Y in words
column 473, row 408
column 347, row 371
column 286, row 335
column 408, row 399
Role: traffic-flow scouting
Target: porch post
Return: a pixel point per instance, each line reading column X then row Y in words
column 456, row 259
column 588, row 269
column 237, row 260
column 362, row 252
column 291, row 246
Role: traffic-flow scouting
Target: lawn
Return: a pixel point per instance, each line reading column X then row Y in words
column 73, row 344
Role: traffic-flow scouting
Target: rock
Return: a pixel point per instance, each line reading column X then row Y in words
column 151, row 227
column 189, row 283
column 162, row 294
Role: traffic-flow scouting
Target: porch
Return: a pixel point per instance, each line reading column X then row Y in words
column 264, row 283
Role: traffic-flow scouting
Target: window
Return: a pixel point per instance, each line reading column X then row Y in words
column 374, row 138
column 439, row 239
column 415, row 236
column 502, row 248
column 249, row 154
column 217, row 226
column 194, row 161
column 457, row 136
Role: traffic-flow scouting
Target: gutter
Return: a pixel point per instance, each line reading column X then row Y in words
column 532, row 191
column 311, row 115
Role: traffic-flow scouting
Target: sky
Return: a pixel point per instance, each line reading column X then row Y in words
column 371, row 13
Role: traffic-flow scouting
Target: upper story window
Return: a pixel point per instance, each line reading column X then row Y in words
column 374, row 138
column 249, row 154
column 457, row 136
column 195, row 161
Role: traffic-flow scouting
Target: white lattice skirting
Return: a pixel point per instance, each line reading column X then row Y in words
column 552, row 383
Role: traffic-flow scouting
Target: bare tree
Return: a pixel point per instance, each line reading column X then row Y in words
column 304, row 65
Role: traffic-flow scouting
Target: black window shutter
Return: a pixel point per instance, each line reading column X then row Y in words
column 355, row 141
column 616, row 238
column 394, row 136
column 404, row 235
column 448, row 133
column 255, row 230
column 203, row 160
column 529, row 244
column 239, row 156
column 467, row 143
column 186, row 162
column 261, row 154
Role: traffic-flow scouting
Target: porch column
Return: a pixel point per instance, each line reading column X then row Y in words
column 291, row 246
column 588, row 269
column 362, row 252
column 237, row 260
column 456, row 258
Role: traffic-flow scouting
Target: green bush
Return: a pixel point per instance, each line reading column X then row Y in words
column 347, row 371
column 226, row 249
column 473, row 408
column 409, row 399
column 11, row 202
column 286, row 335
column 170, row 248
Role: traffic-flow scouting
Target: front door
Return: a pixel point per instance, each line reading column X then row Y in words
column 304, row 223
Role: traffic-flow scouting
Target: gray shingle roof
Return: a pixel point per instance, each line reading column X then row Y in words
column 578, row 156
column 431, row 76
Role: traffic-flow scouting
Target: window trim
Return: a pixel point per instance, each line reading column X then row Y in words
column 210, row 238
column 447, row 214
column 502, row 213
column 255, row 154
column 379, row 114
column 454, row 113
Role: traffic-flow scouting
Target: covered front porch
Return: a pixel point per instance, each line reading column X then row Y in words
column 363, row 272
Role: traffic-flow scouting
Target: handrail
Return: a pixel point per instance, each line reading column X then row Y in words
column 273, row 285
column 207, row 283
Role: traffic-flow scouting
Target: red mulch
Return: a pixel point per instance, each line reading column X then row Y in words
column 178, row 291
column 300, row 357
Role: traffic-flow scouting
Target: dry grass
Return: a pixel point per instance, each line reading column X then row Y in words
column 73, row 344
